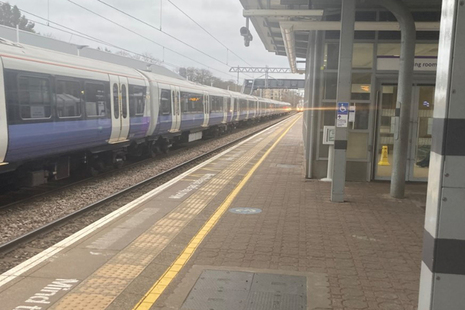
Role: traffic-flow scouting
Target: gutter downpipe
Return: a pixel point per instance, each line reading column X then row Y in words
column 404, row 93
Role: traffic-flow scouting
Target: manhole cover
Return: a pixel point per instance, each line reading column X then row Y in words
column 224, row 290
column 245, row 210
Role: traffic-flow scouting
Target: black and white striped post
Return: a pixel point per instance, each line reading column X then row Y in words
column 442, row 282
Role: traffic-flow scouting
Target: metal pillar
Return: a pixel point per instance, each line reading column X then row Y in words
column 308, row 103
column 238, row 77
column 344, row 85
column 312, row 103
column 404, row 93
column 442, row 279
column 266, row 77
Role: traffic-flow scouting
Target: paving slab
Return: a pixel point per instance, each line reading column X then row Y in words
column 365, row 251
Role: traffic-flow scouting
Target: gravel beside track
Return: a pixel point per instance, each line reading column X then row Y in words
column 24, row 217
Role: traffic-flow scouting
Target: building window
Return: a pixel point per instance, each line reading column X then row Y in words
column 361, row 86
column 362, row 57
column 330, row 86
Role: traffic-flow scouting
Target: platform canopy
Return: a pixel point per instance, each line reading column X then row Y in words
column 284, row 25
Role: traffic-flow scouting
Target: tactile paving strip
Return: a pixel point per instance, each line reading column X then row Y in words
column 129, row 263
column 223, row 290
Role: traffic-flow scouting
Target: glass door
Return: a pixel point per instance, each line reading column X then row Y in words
column 421, row 130
column 421, row 120
column 386, row 111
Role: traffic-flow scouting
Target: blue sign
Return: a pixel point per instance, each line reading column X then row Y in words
column 245, row 210
column 342, row 108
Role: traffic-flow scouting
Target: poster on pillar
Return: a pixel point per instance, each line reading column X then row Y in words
column 342, row 116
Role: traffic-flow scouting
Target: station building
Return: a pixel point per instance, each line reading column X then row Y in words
column 308, row 32
column 384, row 90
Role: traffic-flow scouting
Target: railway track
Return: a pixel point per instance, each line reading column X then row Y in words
column 18, row 242
column 12, row 198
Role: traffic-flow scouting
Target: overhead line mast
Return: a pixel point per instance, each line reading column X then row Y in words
column 265, row 70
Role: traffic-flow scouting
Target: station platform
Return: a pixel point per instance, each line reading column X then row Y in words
column 244, row 230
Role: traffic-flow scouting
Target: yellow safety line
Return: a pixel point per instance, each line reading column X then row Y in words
column 162, row 283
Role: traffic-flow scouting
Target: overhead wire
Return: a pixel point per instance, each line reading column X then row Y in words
column 88, row 37
column 164, row 32
column 211, row 35
column 94, row 39
column 171, row 36
column 148, row 39
column 84, row 35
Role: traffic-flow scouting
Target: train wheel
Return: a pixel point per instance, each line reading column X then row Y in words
column 119, row 161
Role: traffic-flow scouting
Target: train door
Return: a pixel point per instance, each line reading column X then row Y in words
column 231, row 109
column 119, row 100
column 225, row 110
column 176, row 109
column 3, row 120
column 206, row 109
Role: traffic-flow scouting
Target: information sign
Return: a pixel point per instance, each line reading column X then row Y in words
column 329, row 135
column 342, row 114
column 352, row 113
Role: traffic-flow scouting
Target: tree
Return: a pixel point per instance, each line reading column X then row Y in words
column 205, row 77
column 11, row 17
column 293, row 97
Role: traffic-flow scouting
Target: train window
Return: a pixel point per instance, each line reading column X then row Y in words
column 191, row 102
column 185, row 102
column 242, row 105
column 68, row 99
column 34, row 97
column 137, row 100
column 95, row 100
column 165, row 102
column 124, row 101
column 116, row 100
column 228, row 105
column 213, row 102
column 196, row 103
column 217, row 104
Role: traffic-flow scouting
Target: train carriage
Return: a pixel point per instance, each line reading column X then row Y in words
column 59, row 111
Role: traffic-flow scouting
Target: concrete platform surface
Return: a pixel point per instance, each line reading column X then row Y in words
column 244, row 231
column 361, row 254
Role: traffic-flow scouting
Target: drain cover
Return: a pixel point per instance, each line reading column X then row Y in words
column 222, row 290
column 245, row 210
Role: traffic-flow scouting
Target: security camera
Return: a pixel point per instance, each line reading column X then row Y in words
column 245, row 32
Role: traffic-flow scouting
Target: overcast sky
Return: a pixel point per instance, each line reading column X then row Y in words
column 222, row 18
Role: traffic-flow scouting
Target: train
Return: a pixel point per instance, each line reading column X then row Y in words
column 61, row 113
